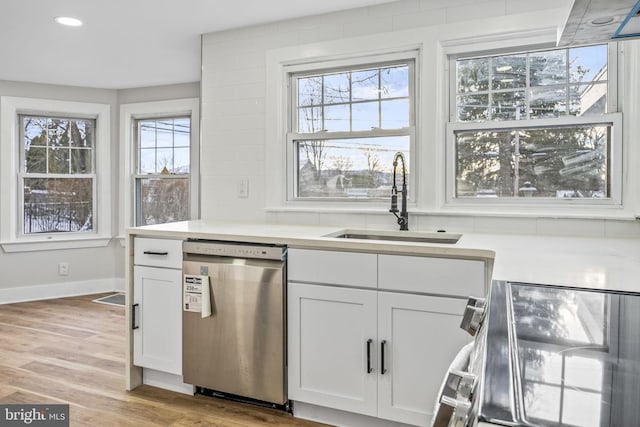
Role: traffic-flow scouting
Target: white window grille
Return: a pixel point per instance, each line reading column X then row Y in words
column 163, row 166
column 537, row 125
column 57, row 174
column 346, row 123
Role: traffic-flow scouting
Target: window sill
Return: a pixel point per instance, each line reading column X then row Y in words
column 122, row 240
column 611, row 213
column 55, row 244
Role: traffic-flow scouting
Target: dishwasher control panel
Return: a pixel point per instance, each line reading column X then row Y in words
column 234, row 250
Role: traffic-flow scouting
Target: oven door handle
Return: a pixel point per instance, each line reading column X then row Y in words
column 452, row 412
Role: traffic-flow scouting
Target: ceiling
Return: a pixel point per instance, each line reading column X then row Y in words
column 129, row 43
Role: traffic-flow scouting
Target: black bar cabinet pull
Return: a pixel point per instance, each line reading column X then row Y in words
column 133, row 316
column 165, row 253
column 382, row 369
column 369, row 341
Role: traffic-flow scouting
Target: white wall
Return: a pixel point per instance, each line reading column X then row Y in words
column 33, row 275
column 237, row 112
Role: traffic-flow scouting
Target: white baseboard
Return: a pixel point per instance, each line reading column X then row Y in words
column 336, row 417
column 60, row 290
column 166, row 381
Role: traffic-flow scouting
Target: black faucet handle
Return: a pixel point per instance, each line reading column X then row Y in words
column 394, row 203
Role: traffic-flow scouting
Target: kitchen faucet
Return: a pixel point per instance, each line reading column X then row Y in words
column 403, row 218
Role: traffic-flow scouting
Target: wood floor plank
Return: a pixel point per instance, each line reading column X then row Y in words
column 71, row 350
column 88, row 360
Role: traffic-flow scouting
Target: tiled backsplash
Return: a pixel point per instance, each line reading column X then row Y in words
column 609, row 228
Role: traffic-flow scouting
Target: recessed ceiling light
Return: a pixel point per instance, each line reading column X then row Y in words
column 68, row 21
column 603, row 20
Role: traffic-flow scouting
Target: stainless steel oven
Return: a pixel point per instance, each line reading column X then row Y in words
column 547, row 356
column 234, row 320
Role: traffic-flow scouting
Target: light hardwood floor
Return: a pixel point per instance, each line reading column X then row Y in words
column 71, row 350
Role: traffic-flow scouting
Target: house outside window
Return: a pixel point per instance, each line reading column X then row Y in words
column 160, row 159
column 57, row 174
column 535, row 125
column 163, row 170
column 346, row 124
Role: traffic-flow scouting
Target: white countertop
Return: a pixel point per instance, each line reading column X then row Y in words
column 601, row 263
column 303, row 236
column 598, row 263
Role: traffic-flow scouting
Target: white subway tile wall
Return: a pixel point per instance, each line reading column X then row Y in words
column 234, row 86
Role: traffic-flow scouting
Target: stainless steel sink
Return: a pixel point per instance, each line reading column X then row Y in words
column 397, row 236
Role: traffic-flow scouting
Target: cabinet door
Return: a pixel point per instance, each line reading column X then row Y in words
column 329, row 328
column 158, row 314
column 422, row 336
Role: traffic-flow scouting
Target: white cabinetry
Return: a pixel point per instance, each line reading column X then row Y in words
column 444, row 276
column 329, row 331
column 341, row 338
column 157, row 305
column 422, row 336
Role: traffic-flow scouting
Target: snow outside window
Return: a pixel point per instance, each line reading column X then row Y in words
column 57, row 174
column 55, row 167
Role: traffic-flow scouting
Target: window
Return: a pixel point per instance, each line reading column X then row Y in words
column 55, row 165
column 57, row 174
column 162, row 178
column 534, row 125
column 160, row 162
column 345, row 126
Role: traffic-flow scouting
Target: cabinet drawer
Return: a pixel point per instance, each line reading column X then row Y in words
column 337, row 268
column 165, row 253
column 445, row 276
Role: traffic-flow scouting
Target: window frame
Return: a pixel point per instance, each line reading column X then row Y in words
column 12, row 237
column 23, row 174
column 129, row 116
column 293, row 71
column 613, row 117
column 138, row 177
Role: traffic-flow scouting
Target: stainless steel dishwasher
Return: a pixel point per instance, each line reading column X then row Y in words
column 239, row 349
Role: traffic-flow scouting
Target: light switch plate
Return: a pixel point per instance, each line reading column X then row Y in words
column 243, row 188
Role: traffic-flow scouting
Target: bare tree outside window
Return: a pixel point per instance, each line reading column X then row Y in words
column 348, row 126
column 162, row 179
column 57, row 174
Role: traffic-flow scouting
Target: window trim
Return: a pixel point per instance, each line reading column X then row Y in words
column 129, row 114
column 22, row 174
column 612, row 72
column 11, row 238
column 412, row 56
column 615, row 174
column 514, row 43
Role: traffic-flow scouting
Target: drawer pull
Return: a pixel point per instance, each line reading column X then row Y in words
column 369, row 369
column 165, row 253
column 382, row 369
column 134, row 324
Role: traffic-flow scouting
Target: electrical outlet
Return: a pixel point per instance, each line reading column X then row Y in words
column 63, row 269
